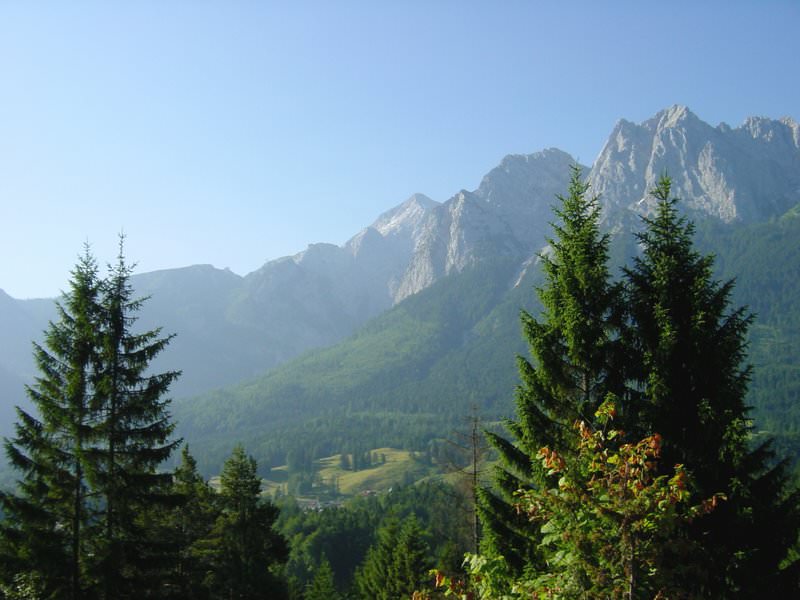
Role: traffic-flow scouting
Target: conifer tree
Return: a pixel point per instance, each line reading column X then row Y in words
column 411, row 565
column 187, row 525
column 675, row 361
column 575, row 350
column 611, row 525
column 243, row 545
column 397, row 564
column 690, row 373
column 132, row 430
column 373, row 578
column 81, row 524
column 44, row 533
column 322, row 585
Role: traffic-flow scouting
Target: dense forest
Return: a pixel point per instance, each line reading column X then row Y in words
column 631, row 468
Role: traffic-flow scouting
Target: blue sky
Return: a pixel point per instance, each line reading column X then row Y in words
column 232, row 133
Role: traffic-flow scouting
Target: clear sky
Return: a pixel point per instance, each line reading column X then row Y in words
column 233, row 132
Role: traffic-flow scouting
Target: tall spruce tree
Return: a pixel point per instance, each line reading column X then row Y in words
column 243, row 545
column 690, row 347
column 133, row 432
column 45, row 530
column 576, row 363
column 411, row 566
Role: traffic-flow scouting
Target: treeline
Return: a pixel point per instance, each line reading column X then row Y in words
column 337, row 432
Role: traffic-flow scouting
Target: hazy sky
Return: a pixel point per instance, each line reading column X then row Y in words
column 235, row 132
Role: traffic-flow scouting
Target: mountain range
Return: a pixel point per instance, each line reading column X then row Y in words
column 425, row 300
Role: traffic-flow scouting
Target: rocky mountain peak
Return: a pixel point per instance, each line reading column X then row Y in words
column 404, row 216
column 676, row 115
column 506, row 216
column 518, row 176
column 748, row 173
column 781, row 136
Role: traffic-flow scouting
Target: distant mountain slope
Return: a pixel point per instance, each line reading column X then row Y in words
column 18, row 328
column 399, row 380
column 231, row 328
column 209, row 349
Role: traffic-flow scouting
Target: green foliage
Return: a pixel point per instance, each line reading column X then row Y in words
column 343, row 535
column 612, row 525
column 132, row 429
column 412, row 559
column 24, row 586
column 322, row 586
column 490, row 578
column 672, row 350
column 764, row 258
column 397, row 564
column 576, row 356
column 44, row 534
column 243, row 547
column 340, row 535
column 689, row 347
column 81, row 522
column 186, row 525
column 374, row 579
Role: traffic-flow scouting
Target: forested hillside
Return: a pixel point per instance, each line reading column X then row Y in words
column 407, row 377
column 765, row 260
column 412, row 373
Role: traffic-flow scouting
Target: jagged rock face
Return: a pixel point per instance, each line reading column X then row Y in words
column 506, row 216
column 745, row 174
column 405, row 220
column 325, row 292
column 385, row 249
column 460, row 232
column 522, row 190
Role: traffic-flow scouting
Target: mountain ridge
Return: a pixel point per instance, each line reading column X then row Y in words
column 231, row 328
column 727, row 173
